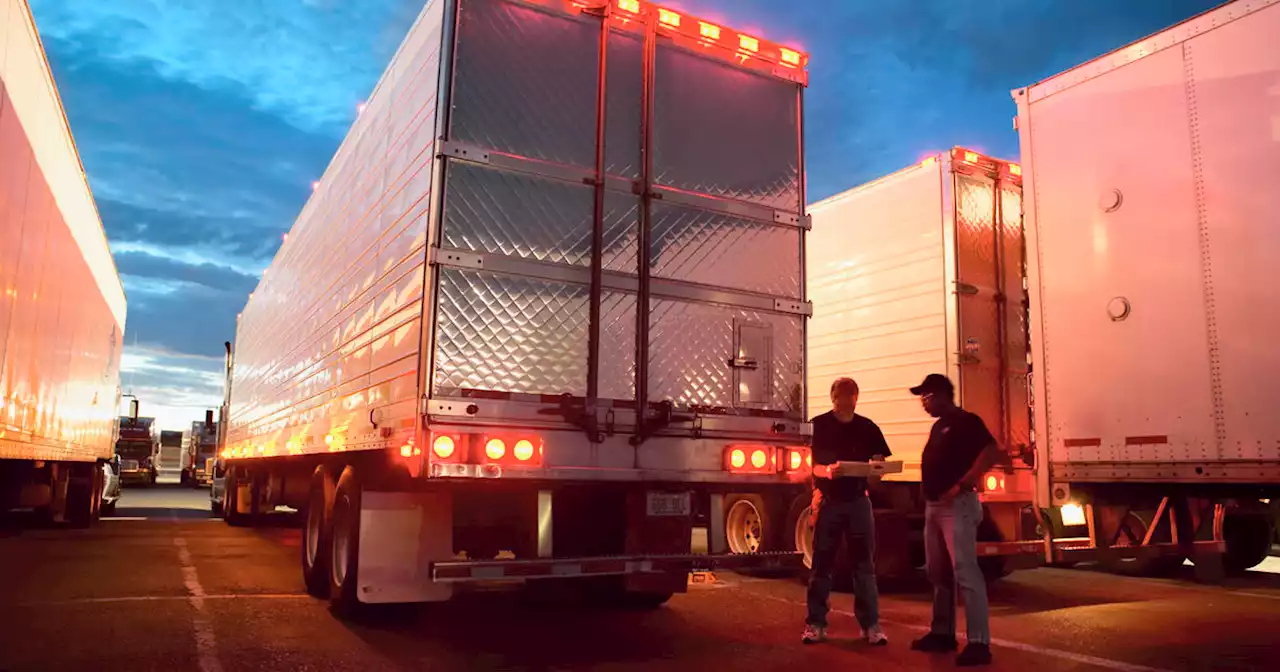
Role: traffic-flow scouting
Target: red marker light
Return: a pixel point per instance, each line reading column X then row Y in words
column 669, row 17
column 758, row 459
column 632, row 6
column 523, row 450
column 796, row 460
column 971, row 157
column 738, row 458
column 495, row 449
column 929, row 161
column 1015, row 169
column 709, row 31
column 789, row 57
column 748, row 43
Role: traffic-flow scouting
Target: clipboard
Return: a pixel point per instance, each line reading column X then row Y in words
column 863, row 469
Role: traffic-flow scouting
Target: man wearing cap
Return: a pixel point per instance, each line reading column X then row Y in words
column 844, row 512
column 959, row 451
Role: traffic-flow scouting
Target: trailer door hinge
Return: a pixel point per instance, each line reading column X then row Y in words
column 966, row 288
column 794, row 307
column 457, row 150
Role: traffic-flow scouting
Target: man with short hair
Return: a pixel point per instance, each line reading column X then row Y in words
column 843, row 511
column 959, row 451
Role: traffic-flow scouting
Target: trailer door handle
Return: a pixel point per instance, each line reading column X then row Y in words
column 744, row 363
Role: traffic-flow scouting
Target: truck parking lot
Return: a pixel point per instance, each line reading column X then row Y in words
column 163, row 587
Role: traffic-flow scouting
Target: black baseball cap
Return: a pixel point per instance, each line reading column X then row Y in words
column 934, row 383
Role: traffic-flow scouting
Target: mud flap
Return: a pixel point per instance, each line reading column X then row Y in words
column 650, row 532
column 401, row 534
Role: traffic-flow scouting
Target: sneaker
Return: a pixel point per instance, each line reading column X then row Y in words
column 814, row 634
column 935, row 643
column 974, row 654
column 875, row 635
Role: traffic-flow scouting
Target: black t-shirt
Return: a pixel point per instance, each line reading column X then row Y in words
column 955, row 442
column 834, row 441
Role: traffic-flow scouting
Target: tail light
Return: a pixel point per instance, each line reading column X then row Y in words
column 519, row 450
column 995, row 483
column 798, row 459
column 505, row 449
column 751, row 459
column 495, row 449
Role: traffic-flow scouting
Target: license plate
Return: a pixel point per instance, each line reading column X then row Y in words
column 668, row 503
column 129, row 465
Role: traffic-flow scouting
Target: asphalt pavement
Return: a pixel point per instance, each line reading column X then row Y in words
column 165, row 587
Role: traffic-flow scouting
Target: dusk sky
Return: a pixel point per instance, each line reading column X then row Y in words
column 202, row 124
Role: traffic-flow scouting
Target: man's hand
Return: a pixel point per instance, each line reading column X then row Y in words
column 950, row 494
column 815, row 503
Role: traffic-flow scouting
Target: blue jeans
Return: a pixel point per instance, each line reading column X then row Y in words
column 951, row 547
column 853, row 522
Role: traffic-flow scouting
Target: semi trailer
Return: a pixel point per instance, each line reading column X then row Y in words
column 1150, row 217
column 543, row 314
column 62, row 307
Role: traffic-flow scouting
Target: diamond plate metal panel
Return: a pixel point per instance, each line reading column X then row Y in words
column 691, row 345
column 510, row 334
column 617, row 346
column 521, row 215
column 623, row 90
column 1017, row 346
column 525, row 82
column 725, row 132
column 982, row 390
column 715, row 249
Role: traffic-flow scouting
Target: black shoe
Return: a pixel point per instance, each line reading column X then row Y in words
column 974, row 654
column 935, row 643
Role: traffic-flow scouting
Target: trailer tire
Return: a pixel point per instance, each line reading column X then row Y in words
column 1248, row 539
column 81, row 488
column 317, row 532
column 344, row 599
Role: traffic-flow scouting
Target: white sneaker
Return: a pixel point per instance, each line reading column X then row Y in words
column 814, row 634
column 875, row 636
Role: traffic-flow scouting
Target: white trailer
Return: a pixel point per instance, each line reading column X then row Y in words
column 62, row 307
column 543, row 312
column 1151, row 209
column 921, row 272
